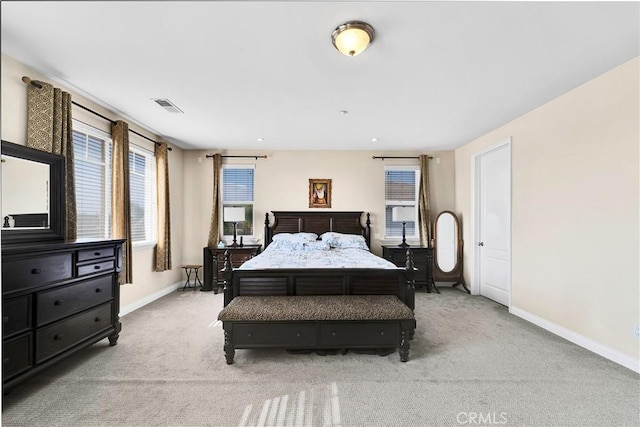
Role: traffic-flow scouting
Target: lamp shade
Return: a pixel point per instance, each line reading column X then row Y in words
column 403, row 214
column 353, row 37
column 233, row 214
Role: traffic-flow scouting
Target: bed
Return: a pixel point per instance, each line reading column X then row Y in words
column 378, row 284
column 391, row 280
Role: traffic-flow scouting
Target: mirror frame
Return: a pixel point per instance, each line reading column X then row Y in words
column 456, row 273
column 56, row 230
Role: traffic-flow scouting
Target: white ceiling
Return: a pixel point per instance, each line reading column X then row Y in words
column 438, row 74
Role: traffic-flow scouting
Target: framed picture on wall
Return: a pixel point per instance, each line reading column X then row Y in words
column 319, row 193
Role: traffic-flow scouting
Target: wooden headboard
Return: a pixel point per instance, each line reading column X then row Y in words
column 316, row 222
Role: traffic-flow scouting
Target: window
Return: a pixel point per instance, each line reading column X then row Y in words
column 237, row 191
column 401, row 184
column 142, row 194
column 92, row 161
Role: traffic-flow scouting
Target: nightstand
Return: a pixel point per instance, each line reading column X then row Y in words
column 421, row 254
column 214, row 262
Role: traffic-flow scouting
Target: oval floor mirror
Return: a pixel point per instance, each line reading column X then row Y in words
column 447, row 260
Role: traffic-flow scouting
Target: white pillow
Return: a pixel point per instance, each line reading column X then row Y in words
column 344, row 241
column 287, row 244
column 330, row 235
column 305, row 237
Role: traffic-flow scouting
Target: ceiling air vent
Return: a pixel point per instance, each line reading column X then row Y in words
column 167, row 105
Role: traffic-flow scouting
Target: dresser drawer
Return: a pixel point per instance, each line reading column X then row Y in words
column 16, row 355
column 396, row 257
column 60, row 302
column 420, row 264
column 96, row 253
column 35, row 271
column 59, row 336
column 286, row 334
column 237, row 258
column 16, row 315
column 374, row 334
column 97, row 267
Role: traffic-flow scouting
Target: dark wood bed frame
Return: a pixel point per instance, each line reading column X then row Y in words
column 317, row 281
column 320, row 281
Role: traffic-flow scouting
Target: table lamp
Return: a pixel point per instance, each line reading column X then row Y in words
column 403, row 214
column 234, row 215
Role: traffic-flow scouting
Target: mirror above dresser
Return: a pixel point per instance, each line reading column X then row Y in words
column 32, row 195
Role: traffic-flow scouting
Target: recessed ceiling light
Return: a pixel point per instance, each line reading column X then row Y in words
column 260, row 139
column 374, row 139
column 343, row 112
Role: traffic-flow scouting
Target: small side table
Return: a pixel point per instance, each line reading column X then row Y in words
column 191, row 269
column 214, row 263
column 398, row 255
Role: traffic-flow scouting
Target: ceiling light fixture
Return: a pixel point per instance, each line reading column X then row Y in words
column 374, row 139
column 260, row 139
column 353, row 37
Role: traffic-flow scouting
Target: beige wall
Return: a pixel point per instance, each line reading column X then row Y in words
column 282, row 183
column 575, row 219
column 14, row 125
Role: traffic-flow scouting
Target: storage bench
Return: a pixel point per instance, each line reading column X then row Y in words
column 317, row 322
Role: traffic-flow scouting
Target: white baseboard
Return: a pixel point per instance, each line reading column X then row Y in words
column 148, row 299
column 581, row 340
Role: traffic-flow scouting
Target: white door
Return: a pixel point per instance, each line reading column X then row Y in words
column 493, row 196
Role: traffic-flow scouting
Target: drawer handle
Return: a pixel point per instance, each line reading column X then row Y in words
column 5, row 319
column 5, row 360
column 58, row 302
column 334, row 333
column 298, row 334
column 96, row 253
column 36, row 271
column 98, row 290
column 249, row 334
column 57, row 337
column 96, row 267
column 97, row 319
column 381, row 332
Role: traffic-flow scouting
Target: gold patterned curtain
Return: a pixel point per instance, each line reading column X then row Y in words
column 214, row 230
column 120, row 205
column 163, row 247
column 424, row 202
column 49, row 129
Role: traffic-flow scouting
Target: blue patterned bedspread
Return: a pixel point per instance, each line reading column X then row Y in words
column 332, row 258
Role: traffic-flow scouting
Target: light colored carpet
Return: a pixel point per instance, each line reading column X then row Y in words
column 471, row 363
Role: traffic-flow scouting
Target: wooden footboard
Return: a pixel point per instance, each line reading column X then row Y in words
column 320, row 281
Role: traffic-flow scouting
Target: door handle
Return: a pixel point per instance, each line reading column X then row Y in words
column 481, row 244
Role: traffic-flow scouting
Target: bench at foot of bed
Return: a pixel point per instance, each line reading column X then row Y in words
column 317, row 322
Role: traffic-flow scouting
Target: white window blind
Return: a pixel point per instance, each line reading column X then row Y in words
column 237, row 191
column 92, row 161
column 142, row 194
column 400, row 189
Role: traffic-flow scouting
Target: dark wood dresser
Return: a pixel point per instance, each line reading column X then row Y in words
column 214, row 262
column 398, row 256
column 57, row 298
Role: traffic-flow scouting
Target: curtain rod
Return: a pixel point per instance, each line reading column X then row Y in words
column 238, row 157
column 395, row 157
column 38, row 84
